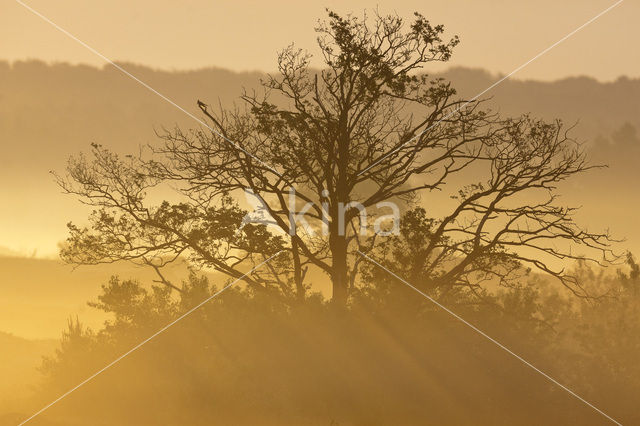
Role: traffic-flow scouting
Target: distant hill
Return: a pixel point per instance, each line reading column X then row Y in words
column 48, row 112
column 599, row 108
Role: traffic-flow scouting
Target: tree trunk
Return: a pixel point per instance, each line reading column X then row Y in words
column 339, row 266
column 337, row 237
column 339, row 273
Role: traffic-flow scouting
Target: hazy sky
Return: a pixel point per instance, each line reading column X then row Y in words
column 497, row 35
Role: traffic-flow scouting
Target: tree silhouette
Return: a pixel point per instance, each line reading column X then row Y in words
column 368, row 128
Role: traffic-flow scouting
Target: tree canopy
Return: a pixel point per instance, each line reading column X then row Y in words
column 369, row 129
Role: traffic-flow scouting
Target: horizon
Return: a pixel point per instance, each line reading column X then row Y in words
column 496, row 38
column 172, row 70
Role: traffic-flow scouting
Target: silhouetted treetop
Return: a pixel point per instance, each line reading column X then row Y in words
column 368, row 131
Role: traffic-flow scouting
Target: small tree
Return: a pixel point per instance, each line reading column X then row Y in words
column 367, row 128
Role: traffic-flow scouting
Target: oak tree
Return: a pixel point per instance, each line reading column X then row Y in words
column 368, row 127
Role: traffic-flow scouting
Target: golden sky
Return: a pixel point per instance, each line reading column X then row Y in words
column 496, row 35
